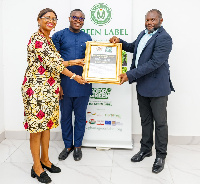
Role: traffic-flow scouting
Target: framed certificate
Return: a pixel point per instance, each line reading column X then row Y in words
column 103, row 62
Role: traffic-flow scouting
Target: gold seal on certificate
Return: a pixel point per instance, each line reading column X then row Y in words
column 103, row 62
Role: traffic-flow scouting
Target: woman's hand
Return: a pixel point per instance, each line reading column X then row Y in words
column 61, row 93
column 80, row 79
column 79, row 62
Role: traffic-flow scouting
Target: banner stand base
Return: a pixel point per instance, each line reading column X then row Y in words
column 108, row 144
column 102, row 149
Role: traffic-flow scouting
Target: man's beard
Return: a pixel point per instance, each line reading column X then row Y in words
column 154, row 29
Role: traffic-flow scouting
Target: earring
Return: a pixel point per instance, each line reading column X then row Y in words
column 39, row 25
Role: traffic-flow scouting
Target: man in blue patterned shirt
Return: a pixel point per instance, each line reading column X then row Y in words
column 71, row 44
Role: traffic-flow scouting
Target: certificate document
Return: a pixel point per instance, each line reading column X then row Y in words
column 102, row 62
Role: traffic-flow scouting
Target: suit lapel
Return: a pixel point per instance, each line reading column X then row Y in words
column 154, row 36
column 151, row 39
column 139, row 38
column 137, row 41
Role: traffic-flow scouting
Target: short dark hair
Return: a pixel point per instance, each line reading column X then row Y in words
column 157, row 11
column 76, row 10
column 44, row 11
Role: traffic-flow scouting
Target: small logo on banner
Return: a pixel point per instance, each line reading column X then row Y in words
column 100, row 14
column 113, row 123
column 100, row 122
column 90, row 113
column 107, row 122
column 92, row 121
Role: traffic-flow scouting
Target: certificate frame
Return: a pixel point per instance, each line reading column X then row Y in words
column 118, row 66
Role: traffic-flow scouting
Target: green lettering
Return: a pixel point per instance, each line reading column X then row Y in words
column 116, row 31
column 121, row 31
column 97, row 32
column 105, row 32
column 92, row 32
column 111, row 32
column 88, row 31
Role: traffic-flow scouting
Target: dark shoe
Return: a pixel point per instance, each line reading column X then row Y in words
column 77, row 154
column 43, row 178
column 52, row 169
column 140, row 156
column 65, row 153
column 158, row 165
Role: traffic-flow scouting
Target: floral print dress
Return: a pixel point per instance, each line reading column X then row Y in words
column 40, row 88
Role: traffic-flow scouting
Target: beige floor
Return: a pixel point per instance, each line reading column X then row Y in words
column 101, row 167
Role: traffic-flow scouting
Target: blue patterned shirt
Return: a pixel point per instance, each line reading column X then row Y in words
column 72, row 46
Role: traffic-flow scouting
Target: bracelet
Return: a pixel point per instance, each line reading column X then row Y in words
column 69, row 63
column 73, row 76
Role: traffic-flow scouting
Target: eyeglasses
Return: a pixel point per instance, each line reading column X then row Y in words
column 48, row 19
column 81, row 19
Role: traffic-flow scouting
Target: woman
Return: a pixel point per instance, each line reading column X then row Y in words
column 40, row 91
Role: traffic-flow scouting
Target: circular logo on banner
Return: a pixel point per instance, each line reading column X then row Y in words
column 100, row 14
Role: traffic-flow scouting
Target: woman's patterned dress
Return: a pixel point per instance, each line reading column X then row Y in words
column 40, row 88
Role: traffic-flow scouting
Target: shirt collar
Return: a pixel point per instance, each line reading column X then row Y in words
column 146, row 32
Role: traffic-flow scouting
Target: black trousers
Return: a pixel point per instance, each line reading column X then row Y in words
column 154, row 109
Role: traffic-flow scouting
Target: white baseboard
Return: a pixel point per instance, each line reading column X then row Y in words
column 2, row 136
column 57, row 136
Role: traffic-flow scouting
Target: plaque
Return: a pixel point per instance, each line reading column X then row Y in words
column 103, row 62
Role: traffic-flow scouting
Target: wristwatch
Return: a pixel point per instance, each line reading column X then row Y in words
column 73, row 76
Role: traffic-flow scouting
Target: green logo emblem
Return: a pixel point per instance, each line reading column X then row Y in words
column 100, row 14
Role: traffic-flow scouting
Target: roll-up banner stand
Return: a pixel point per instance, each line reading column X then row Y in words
column 109, row 112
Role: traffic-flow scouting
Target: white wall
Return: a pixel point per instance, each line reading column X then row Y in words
column 1, row 75
column 180, row 20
